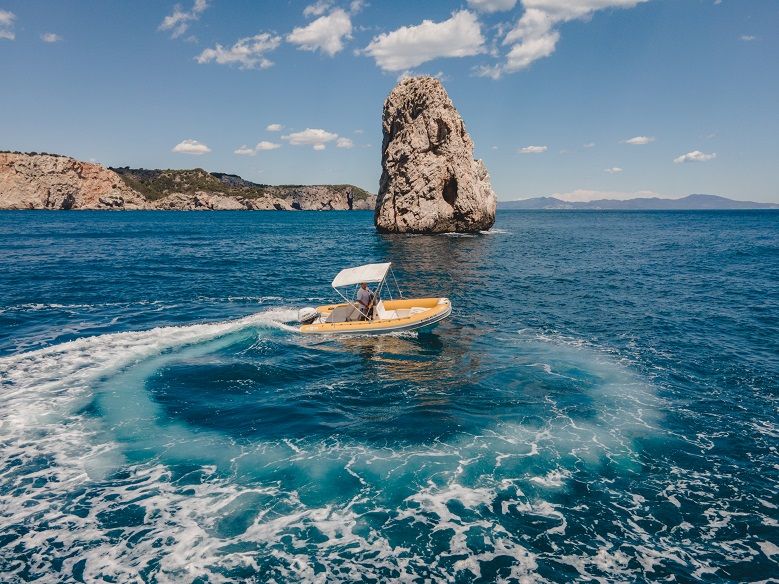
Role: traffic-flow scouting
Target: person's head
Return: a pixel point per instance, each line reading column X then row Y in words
column 363, row 285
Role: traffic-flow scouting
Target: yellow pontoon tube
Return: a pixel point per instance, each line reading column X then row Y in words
column 386, row 316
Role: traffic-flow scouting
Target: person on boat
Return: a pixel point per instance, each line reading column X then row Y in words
column 365, row 300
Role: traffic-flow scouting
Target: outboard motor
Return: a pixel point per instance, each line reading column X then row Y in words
column 307, row 315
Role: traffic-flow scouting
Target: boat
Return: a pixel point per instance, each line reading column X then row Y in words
column 381, row 316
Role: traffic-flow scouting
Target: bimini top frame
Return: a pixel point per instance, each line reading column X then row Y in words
column 370, row 274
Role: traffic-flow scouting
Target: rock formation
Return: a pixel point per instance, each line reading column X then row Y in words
column 430, row 182
column 45, row 181
column 49, row 181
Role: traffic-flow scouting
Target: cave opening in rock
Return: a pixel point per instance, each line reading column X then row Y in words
column 442, row 131
column 450, row 190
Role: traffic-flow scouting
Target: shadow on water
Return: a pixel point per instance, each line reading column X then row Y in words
column 445, row 265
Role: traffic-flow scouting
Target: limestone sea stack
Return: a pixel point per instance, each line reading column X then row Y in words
column 430, row 182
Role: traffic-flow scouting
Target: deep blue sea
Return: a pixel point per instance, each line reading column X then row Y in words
column 600, row 407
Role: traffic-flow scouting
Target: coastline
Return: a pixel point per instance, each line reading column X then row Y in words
column 32, row 181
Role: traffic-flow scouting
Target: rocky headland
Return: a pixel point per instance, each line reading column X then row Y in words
column 430, row 182
column 51, row 181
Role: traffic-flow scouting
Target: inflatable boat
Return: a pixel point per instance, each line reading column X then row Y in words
column 377, row 315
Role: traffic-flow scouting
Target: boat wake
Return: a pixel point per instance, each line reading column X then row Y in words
column 98, row 481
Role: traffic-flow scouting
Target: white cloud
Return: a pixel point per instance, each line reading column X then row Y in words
column 589, row 145
column 529, row 50
column 356, row 6
column 7, row 25
column 247, row 53
column 585, row 195
column 695, row 156
column 535, row 35
column 492, row 5
column 274, row 128
column 613, row 170
column 491, row 71
column 639, row 140
column 533, row 149
column 191, row 147
column 747, row 37
column 265, row 145
column 317, row 8
column 410, row 46
column 326, row 33
column 50, row 37
column 260, row 147
column 311, row 137
column 179, row 20
column 344, row 143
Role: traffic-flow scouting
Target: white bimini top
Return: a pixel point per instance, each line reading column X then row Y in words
column 367, row 273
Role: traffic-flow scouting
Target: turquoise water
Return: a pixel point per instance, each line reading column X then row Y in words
column 601, row 406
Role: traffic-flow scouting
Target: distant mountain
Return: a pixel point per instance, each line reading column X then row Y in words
column 690, row 202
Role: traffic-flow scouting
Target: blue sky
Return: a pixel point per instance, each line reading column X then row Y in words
column 574, row 98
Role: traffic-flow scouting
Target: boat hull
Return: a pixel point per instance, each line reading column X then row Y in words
column 435, row 310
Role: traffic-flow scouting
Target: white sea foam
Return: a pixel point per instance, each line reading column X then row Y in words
column 70, row 473
column 495, row 231
column 553, row 479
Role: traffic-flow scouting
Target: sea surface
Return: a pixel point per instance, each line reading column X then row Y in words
column 600, row 407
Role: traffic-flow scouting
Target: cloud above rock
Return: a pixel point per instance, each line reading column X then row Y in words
column 246, row 53
column 411, row 46
column 263, row 146
column 536, row 34
column 326, row 34
column 533, row 149
column 191, row 147
column 314, row 137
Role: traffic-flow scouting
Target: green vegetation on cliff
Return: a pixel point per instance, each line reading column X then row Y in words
column 155, row 184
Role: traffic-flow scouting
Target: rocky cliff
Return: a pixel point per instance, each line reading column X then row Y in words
column 48, row 181
column 430, row 182
column 45, row 181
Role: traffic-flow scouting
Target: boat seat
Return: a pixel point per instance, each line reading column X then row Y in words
column 344, row 314
column 404, row 312
column 384, row 314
